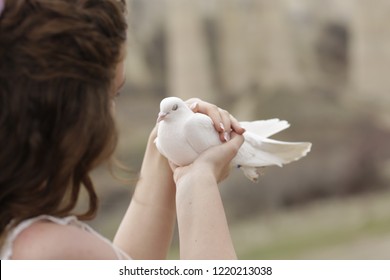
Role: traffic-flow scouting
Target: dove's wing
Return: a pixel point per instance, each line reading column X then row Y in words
column 265, row 128
column 200, row 133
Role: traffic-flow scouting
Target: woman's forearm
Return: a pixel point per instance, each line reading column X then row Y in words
column 147, row 228
column 203, row 228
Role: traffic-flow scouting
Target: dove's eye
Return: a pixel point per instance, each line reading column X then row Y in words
column 174, row 108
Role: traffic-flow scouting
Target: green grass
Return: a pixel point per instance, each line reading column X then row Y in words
column 337, row 224
column 292, row 247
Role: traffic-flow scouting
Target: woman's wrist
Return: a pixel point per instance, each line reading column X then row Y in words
column 155, row 167
column 155, row 186
column 194, row 175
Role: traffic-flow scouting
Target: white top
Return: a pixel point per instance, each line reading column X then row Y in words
column 6, row 249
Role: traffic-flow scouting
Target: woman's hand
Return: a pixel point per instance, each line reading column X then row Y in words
column 214, row 162
column 224, row 122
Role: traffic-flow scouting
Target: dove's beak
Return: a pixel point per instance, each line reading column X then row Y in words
column 161, row 116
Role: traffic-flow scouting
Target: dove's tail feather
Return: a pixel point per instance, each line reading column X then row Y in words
column 259, row 151
column 284, row 152
column 265, row 128
column 268, row 152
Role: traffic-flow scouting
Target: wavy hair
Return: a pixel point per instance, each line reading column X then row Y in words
column 57, row 66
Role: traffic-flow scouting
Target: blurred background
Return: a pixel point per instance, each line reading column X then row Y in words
column 322, row 65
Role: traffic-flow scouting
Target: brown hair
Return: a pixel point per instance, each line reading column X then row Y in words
column 57, row 66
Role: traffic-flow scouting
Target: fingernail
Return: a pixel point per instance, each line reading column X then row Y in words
column 226, row 136
column 193, row 105
column 222, row 126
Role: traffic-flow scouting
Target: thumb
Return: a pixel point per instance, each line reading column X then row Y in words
column 223, row 155
column 231, row 147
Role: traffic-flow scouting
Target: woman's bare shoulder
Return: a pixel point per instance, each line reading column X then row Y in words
column 47, row 240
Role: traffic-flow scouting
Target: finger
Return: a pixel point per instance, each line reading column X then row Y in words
column 193, row 100
column 236, row 141
column 194, row 106
column 236, row 125
column 192, row 103
column 227, row 125
column 231, row 147
column 213, row 112
column 199, row 106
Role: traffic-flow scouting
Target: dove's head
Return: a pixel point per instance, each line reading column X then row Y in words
column 172, row 107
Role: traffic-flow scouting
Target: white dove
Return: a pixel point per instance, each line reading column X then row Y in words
column 182, row 135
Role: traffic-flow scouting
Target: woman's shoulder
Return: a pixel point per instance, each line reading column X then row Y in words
column 45, row 239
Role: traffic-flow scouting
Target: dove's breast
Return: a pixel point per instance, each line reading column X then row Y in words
column 172, row 143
